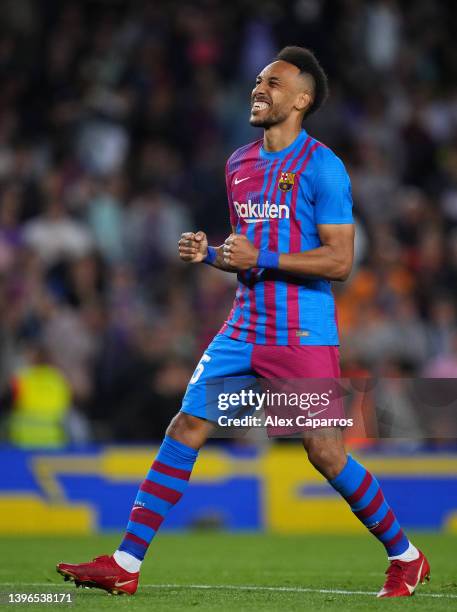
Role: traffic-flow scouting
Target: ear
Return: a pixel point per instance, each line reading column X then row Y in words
column 303, row 101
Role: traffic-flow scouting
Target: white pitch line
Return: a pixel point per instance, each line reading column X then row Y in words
column 236, row 587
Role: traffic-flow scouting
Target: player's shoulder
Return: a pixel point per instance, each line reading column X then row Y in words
column 324, row 158
column 242, row 153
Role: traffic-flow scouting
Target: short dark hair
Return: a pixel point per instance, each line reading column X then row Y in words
column 307, row 63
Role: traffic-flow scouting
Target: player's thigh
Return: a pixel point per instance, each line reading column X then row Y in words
column 224, row 368
column 304, row 379
column 302, row 384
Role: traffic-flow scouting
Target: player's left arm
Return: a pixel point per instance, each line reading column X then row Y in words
column 332, row 261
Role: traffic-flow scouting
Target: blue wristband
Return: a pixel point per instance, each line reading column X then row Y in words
column 268, row 259
column 211, row 256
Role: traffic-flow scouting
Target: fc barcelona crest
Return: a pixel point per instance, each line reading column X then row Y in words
column 286, row 181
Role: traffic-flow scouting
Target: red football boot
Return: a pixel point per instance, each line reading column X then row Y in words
column 101, row 573
column 404, row 576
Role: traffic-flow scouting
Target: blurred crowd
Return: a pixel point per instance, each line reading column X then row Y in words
column 116, row 119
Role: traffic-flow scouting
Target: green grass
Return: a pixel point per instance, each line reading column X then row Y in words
column 349, row 563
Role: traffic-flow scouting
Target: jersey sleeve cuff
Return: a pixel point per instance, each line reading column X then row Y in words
column 337, row 221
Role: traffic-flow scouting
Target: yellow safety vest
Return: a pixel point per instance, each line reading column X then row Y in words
column 43, row 398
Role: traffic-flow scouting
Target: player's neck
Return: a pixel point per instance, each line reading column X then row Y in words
column 279, row 137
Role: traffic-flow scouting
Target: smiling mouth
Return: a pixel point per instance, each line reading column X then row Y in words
column 259, row 105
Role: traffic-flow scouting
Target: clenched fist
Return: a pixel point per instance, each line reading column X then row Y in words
column 193, row 247
column 239, row 252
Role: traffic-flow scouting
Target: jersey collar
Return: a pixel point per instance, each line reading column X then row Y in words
column 283, row 152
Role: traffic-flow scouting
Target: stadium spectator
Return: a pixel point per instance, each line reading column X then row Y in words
column 38, row 401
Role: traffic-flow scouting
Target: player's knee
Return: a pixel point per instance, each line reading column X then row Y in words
column 327, row 458
column 188, row 430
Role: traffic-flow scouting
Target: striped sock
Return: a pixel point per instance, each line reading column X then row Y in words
column 362, row 492
column 161, row 490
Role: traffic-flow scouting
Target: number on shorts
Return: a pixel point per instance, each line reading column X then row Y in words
column 200, row 367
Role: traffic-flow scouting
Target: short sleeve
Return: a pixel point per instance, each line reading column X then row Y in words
column 228, row 184
column 332, row 192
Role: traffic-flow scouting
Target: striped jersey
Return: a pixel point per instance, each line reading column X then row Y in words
column 277, row 199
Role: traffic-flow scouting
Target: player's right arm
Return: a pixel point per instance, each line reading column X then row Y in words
column 193, row 248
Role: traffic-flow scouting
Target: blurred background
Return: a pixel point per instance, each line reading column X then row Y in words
column 116, row 119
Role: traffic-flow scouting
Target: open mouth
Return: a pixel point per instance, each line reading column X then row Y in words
column 260, row 105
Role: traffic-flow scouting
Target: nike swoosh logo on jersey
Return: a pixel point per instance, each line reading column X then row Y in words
column 412, row 588
column 237, row 181
column 121, row 584
column 313, row 414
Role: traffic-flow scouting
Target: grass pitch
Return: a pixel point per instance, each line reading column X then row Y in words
column 218, row 571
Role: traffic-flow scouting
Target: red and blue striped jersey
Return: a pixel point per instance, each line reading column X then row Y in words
column 277, row 199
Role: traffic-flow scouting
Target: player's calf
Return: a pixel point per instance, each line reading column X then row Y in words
column 361, row 490
column 162, row 488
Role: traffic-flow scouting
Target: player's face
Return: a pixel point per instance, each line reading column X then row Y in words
column 276, row 93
